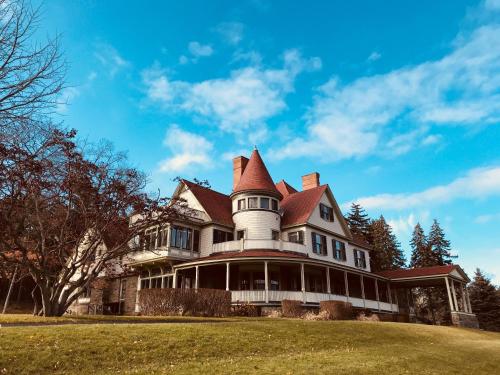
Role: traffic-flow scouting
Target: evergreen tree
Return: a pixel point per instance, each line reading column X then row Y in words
column 485, row 302
column 440, row 246
column 386, row 253
column 421, row 255
column 359, row 222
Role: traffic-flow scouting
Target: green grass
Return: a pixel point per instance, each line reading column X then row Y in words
column 242, row 346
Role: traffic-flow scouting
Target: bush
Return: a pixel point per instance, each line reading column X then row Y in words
column 368, row 317
column 336, row 310
column 245, row 309
column 311, row 315
column 291, row 308
column 196, row 302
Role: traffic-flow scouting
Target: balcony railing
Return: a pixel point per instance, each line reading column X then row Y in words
column 256, row 244
column 162, row 252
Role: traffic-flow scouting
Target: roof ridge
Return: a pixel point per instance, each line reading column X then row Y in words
column 202, row 187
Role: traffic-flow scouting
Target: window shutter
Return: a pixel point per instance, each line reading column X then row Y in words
column 301, row 236
column 324, row 249
column 196, row 241
column 330, row 211
column 313, row 235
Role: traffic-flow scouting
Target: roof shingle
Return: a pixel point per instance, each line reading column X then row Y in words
column 417, row 272
column 298, row 206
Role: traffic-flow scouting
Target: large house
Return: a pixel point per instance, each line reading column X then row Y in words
column 266, row 242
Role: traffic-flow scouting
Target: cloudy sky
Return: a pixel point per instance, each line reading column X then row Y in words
column 396, row 103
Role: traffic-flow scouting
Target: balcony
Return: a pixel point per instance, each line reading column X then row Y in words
column 145, row 256
column 254, row 244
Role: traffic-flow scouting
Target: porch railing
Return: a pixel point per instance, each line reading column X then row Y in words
column 253, row 244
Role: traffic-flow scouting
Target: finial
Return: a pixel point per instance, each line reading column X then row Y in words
column 255, row 147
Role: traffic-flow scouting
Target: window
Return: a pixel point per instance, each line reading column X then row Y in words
column 240, row 234
column 196, row 240
column 241, row 204
column 150, row 239
column 319, row 244
column 180, row 237
column 338, row 250
column 359, row 259
column 275, row 235
column 162, row 239
column 274, row 203
column 297, row 237
column 123, row 289
column 325, row 212
column 264, row 203
column 253, row 202
column 222, row 236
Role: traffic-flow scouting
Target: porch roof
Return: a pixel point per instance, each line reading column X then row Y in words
column 425, row 276
column 257, row 253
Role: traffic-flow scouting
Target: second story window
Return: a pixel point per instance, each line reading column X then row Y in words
column 359, row 259
column 274, row 203
column 264, row 203
column 319, row 244
column 240, row 234
column 253, row 202
column 241, row 204
column 297, row 237
column 222, row 236
column 180, row 237
column 275, row 235
column 339, row 250
column 150, row 239
column 325, row 212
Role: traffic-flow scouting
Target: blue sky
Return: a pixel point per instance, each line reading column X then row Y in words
column 396, row 103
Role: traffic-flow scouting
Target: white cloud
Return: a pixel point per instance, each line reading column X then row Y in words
column 188, row 150
column 476, row 184
column 231, row 32
column 431, row 140
column 492, row 4
column 65, row 99
column 200, row 50
column 183, row 59
column 352, row 120
column 403, row 225
column 110, row 59
column 247, row 98
column 374, row 56
column 483, row 219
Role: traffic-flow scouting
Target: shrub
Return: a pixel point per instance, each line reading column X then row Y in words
column 336, row 310
column 245, row 309
column 291, row 308
column 196, row 302
column 368, row 318
column 275, row 314
column 311, row 315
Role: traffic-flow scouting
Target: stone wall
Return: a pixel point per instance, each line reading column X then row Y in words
column 461, row 319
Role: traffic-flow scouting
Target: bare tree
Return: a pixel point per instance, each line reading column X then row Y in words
column 31, row 73
column 64, row 213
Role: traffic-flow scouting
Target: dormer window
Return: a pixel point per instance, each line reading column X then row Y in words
column 325, row 212
column 264, row 203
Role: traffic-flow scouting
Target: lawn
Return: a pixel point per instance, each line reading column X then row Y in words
column 241, row 346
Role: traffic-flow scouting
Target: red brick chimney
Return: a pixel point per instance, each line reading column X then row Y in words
column 239, row 165
column 310, row 181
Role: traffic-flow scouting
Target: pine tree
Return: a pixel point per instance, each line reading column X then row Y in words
column 440, row 246
column 421, row 255
column 485, row 302
column 359, row 222
column 386, row 253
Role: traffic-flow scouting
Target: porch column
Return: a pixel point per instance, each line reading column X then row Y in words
column 363, row 290
column 197, row 277
column 266, row 281
column 227, row 276
column 328, row 288
column 174, row 281
column 454, row 293
column 462, row 297
column 468, row 300
column 137, row 294
column 449, row 294
column 303, row 282
column 162, row 277
column 376, row 294
column 346, row 286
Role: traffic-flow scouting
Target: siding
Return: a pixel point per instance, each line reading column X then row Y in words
column 316, row 219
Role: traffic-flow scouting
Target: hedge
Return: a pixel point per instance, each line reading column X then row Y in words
column 336, row 310
column 195, row 302
column 292, row 308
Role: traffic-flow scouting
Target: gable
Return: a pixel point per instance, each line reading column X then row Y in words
column 338, row 225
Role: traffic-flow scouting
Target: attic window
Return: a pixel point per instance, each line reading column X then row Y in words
column 325, row 212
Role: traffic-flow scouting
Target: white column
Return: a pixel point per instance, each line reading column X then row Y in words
column 468, row 300
column 303, row 282
column 454, row 293
column 346, row 286
column 174, row 281
column 449, row 294
column 137, row 309
column 266, row 281
column 363, row 290
column 376, row 294
column 328, row 288
column 227, row 276
column 197, row 277
column 462, row 295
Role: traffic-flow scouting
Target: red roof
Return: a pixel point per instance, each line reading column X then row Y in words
column 253, row 254
column 418, row 272
column 256, row 177
column 298, row 206
column 284, row 188
column 217, row 205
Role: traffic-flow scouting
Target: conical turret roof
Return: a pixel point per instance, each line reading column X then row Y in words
column 256, row 177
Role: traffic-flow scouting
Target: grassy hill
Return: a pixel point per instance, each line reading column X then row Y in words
column 242, row 346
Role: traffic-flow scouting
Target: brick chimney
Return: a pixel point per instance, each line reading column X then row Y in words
column 239, row 165
column 310, row 181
